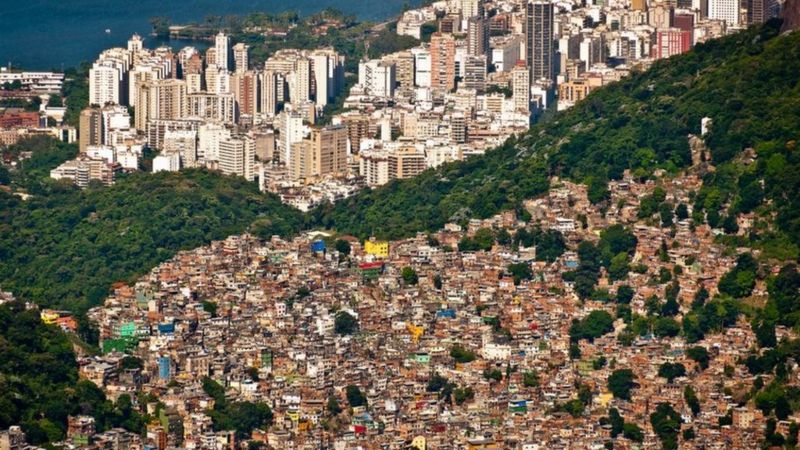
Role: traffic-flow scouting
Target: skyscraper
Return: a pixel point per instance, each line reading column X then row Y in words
column 91, row 129
column 160, row 99
column 726, row 10
column 237, row 156
column 477, row 36
column 240, row 57
column 268, row 93
column 521, row 87
column 475, row 73
column 328, row 74
column 443, row 63
column 245, row 91
column 539, row 39
column 222, row 49
column 106, row 83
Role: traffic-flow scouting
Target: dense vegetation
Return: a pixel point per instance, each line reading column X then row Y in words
column 64, row 247
column 39, row 385
column 747, row 83
column 243, row 417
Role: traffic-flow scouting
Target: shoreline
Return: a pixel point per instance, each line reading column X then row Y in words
column 62, row 66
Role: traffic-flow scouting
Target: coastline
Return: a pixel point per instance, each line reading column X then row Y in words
column 56, row 36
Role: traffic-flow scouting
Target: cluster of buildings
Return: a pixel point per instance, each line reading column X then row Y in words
column 214, row 109
column 485, row 73
column 260, row 319
column 17, row 122
column 569, row 48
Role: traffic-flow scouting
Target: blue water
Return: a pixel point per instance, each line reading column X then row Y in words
column 56, row 34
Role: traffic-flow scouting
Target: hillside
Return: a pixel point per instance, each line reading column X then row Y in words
column 64, row 247
column 747, row 83
column 39, row 384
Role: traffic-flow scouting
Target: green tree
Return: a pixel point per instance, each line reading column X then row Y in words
column 461, row 354
column 624, row 294
column 520, row 271
column 691, row 400
column 670, row 371
column 409, row 276
column 345, row 323
column 621, row 382
column 666, row 424
column 355, row 397
column 530, row 379
column 596, row 324
column 333, row 406
column 700, row 355
column 342, row 246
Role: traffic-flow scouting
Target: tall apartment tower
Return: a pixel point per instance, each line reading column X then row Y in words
column 443, row 63
column 268, row 92
column 477, row 36
column 521, row 87
column 91, row 128
column 324, row 153
column 327, row 74
column 759, row 11
column 300, row 81
column 135, row 43
column 240, row 57
column 475, row 73
column 106, row 83
column 222, row 51
column 237, row 157
column 245, row 91
column 726, row 10
column 331, row 145
column 160, row 99
column 539, row 39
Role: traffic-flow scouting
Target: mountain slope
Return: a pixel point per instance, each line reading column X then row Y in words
column 748, row 84
column 65, row 247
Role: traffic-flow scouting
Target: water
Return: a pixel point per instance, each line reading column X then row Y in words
column 57, row 34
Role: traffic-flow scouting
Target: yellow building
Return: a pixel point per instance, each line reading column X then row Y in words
column 49, row 316
column 420, row 443
column 377, row 248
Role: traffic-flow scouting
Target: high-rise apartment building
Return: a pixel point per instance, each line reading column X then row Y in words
column 237, row 157
column 673, row 41
column 406, row 162
column 404, row 68
column 160, row 99
column 107, row 79
column 539, row 39
column 268, row 92
column 245, row 91
column 377, row 77
column 475, row 73
column 184, row 144
column 300, row 81
column 422, row 66
column 477, row 36
column 209, row 136
column 521, row 87
column 241, row 59
column 327, row 74
column 443, row 64
column 222, row 51
column 331, row 144
column 725, row 10
column 324, row 153
column 91, row 128
column 357, row 130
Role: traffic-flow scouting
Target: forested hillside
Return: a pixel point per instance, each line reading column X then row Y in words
column 39, row 385
column 64, row 247
column 747, row 83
